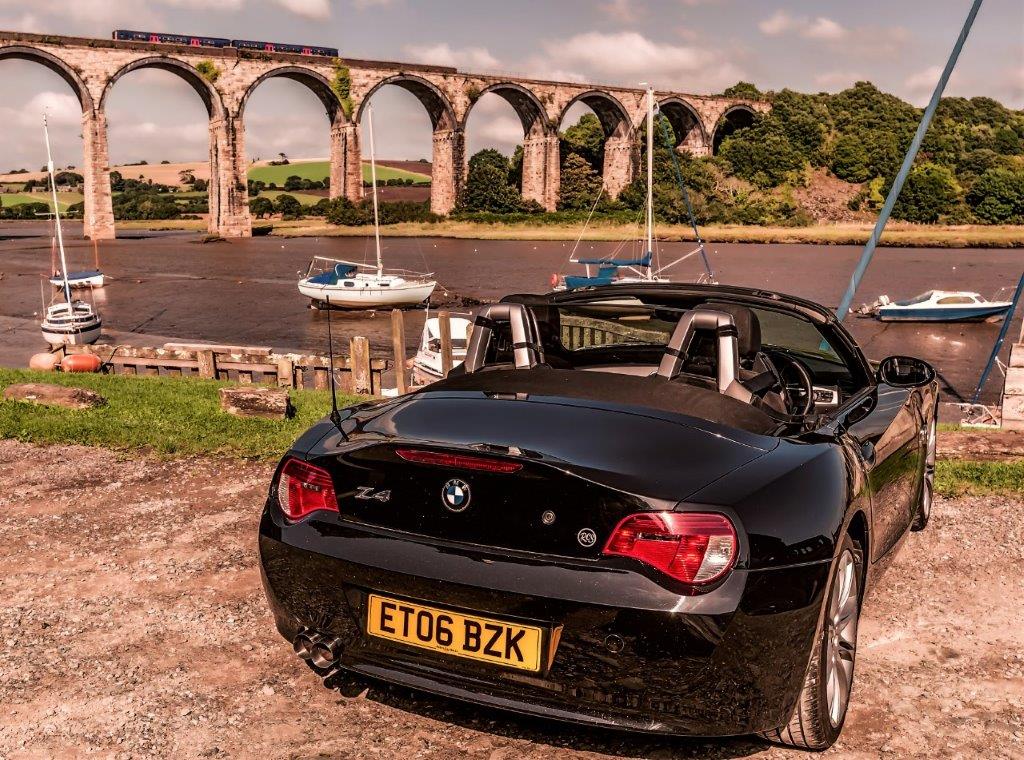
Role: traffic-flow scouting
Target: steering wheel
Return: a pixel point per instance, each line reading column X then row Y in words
column 797, row 386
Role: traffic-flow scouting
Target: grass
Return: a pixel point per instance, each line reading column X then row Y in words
column 896, row 235
column 18, row 199
column 163, row 415
column 956, row 477
column 306, row 199
column 317, row 170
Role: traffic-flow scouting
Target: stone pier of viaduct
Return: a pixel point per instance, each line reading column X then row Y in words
column 93, row 66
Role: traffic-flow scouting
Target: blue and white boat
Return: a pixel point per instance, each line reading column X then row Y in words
column 938, row 306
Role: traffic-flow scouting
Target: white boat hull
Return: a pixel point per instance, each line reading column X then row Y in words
column 367, row 296
column 80, row 280
column 78, row 336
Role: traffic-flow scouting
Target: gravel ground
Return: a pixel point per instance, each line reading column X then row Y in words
column 132, row 625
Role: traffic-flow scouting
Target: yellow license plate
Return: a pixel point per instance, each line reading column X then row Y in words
column 476, row 638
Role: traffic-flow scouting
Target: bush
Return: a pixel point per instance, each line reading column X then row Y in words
column 342, row 211
column 761, row 156
column 931, row 192
column 580, row 185
column 998, row 196
column 850, row 159
column 261, row 207
column 488, row 187
column 288, row 207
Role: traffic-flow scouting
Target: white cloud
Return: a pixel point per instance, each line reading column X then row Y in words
column 314, row 9
column 443, row 54
column 823, row 28
column 776, row 24
column 630, row 57
column 818, row 28
column 363, row 4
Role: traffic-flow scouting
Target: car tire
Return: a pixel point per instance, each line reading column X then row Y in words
column 819, row 715
column 927, row 497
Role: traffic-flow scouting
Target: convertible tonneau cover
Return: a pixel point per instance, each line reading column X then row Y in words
column 610, row 388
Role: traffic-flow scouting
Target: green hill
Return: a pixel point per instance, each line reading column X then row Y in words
column 317, row 170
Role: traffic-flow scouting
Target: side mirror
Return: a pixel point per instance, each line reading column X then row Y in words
column 905, row 372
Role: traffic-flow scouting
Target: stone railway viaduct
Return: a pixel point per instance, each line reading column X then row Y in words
column 93, row 66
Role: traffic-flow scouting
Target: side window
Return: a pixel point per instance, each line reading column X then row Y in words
column 955, row 300
column 801, row 339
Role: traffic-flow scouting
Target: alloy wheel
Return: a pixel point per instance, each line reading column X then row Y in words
column 841, row 641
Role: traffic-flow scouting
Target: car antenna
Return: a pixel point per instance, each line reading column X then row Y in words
column 335, row 414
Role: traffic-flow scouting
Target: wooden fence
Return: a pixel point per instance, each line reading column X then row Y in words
column 355, row 373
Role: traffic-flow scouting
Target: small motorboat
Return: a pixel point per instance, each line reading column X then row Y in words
column 937, row 306
column 71, row 324
column 344, row 285
column 89, row 278
column 426, row 367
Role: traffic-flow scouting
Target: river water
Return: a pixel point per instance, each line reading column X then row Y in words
column 243, row 292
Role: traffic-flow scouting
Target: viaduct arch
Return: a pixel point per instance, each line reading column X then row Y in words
column 91, row 67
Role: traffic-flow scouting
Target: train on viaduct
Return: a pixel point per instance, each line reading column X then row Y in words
column 92, row 68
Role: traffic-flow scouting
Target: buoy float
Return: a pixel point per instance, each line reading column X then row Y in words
column 81, row 363
column 554, row 279
column 44, row 362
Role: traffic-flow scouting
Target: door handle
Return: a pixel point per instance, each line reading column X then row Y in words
column 867, row 451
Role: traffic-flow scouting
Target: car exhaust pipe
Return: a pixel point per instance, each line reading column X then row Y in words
column 304, row 643
column 325, row 652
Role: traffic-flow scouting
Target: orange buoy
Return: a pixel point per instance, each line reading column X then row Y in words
column 44, row 362
column 81, row 363
column 554, row 279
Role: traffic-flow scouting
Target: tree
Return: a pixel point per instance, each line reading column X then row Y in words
column 186, row 177
column 762, row 156
column 288, row 206
column 931, row 191
column 488, row 187
column 580, row 186
column 585, row 138
column 260, row 207
column 293, row 182
column 850, row 160
column 745, row 90
column 998, row 196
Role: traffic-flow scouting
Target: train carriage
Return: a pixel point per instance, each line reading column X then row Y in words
column 221, row 42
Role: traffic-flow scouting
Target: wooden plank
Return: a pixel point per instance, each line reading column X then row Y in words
column 444, row 320
column 299, row 378
column 219, row 348
column 285, row 373
column 321, row 379
column 207, row 364
column 244, row 378
column 398, row 345
column 359, row 353
column 245, row 366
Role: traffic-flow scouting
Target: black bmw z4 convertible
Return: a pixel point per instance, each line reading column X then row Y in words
column 653, row 507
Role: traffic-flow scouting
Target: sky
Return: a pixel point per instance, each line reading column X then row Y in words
column 685, row 45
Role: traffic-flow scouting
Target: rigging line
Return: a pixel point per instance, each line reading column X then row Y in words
column 686, row 197
column 597, row 200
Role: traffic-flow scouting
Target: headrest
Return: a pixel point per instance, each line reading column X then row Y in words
column 748, row 328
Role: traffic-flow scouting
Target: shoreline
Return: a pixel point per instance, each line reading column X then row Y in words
column 897, row 235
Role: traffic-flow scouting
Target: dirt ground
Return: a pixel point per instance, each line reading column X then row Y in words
column 132, row 624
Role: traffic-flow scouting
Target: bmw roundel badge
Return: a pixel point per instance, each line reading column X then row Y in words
column 455, row 495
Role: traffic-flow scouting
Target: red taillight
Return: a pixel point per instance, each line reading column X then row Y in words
column 691, row 547
column 458, row 461
column 304, row 488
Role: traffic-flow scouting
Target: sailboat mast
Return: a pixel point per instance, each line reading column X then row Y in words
column 56, row 214
column 373, row 182
column 650, row 178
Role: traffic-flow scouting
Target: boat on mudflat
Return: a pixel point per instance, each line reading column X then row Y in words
column 938, row 306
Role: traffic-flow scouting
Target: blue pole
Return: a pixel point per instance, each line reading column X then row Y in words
column 999, row 341
column 908, row 162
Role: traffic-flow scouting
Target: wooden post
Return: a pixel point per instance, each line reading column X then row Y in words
column 207, row 364
column 359, row 359
column 398, row 344
column 445, row 323
column 285, row 373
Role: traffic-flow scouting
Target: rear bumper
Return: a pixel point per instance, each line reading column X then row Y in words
column 724, row 663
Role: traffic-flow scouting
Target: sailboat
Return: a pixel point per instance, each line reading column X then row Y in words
column 85, row 278
column 70, row 322
column 640, row 269
column 353, row 285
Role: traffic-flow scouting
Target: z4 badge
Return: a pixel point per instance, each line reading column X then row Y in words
column 366, row 493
